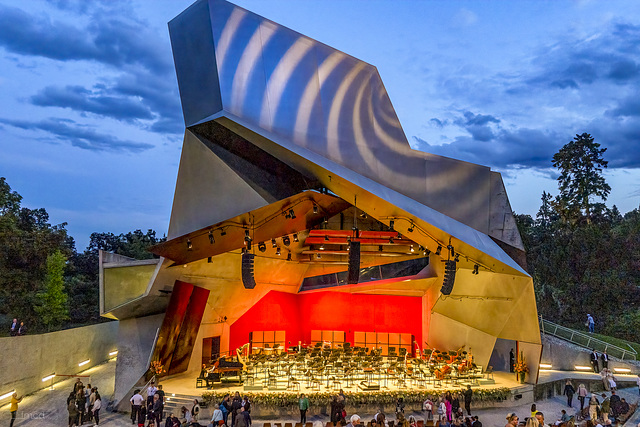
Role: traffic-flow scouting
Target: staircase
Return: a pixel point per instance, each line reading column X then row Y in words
column 586, row 340
column 173, row 402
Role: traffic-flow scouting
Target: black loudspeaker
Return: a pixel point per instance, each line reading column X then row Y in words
column 353, row 277
column 449, row 277
column 248, row 280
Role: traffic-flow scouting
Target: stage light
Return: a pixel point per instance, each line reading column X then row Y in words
column 273, row 243
column 421, row 248
column 625, row 370
column 295, row 237
column 582, row 368
column 439, row 250
column 451, row 251
column 286, row 240
column 392, row 223
column 113, row 353
column 318, row 256
column 4, row 396
column 247, row 237
column 411, row 249
column 211, row 239
column 278, row 251
column 426, row 252
column 476, row 269
column 457, row 258
column 84, row 362
column 410, row 229
column 391, row 240
column 292, row 214
column 326, row 238
column 363, row 215
column 325, row 220
column 223, row 233
column 48, row 377
column 380, row 248
column 321, row 247
column 315, row 209
column 399, row 236
column 189, row 244
column 262, row 247
column 289, row 256
column 545, row 366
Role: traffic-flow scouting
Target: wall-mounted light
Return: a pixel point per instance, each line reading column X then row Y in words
column 4, row 396
column 625, row 370
column 582, row 368
column 211, row 239
column 84, row 362
column 48, row 377
column 113, row 353
column 189, row 244
column 545, row 366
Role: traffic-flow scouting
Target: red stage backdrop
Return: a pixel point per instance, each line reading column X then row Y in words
column 298, row 314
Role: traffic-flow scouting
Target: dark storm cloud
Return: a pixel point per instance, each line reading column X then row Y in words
column 97, row 101
column 68, row 131
column 109, row 39
column 508, row 149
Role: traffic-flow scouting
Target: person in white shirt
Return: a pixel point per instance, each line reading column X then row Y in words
column 151, row 391
column 136, row 402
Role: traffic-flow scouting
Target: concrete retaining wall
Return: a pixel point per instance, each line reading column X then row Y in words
column 563, row 356
column 26, row 360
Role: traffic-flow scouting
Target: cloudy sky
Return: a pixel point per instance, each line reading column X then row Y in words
column 91, row 126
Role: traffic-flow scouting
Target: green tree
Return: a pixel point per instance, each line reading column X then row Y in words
column 580, row 163
column 52, row 301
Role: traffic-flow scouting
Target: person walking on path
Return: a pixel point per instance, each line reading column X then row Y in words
column 569, row 391
column 593, row 407
column 303, row 404
column 582, row 394
column 590, row 323
column 14, row 406
column 13, row 331
column 468, row 394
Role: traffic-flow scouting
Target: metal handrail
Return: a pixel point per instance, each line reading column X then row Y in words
column 585, row 340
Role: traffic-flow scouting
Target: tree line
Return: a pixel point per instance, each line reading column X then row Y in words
column 584, row 257
column 44, row 280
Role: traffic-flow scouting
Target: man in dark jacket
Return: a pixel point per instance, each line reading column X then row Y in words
column 468, row 393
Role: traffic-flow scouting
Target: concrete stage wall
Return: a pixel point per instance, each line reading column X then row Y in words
column 26, row 360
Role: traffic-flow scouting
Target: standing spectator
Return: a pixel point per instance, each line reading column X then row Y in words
column 13, row 330
column 155, row 409
column 336, row 411
column 428, row 408
column 605, row 408
column 582, row 394
column 216, row 420
column 593, row 407
column 604, row 358
column 400, row 406
column 225, row 407
column 81, row 404
column 303, row 404
column 512, row 420
column 151, row 391
column 97, row 404
column 187, row 415
column 22, row 330
column 87, row 400
column 594, row 361
column 240, row 421
column 92, row 399
column 540, row 418
column 442, row 409
column 468, row 394
column 73, row 412
column 569, row 391
column 354, row 421
column 14, row 406
column 195, row 410
column 246, row 405
column 142, row 414
column 76, row 385
column 161, row 395
column 476, row 422
column 590, row 323
column 137, row 402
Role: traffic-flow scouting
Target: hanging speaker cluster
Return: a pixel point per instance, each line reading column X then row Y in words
column 248, row 280
column 449, row 277
column 353, row 276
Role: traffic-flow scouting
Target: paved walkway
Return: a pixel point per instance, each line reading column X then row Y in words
column 47, row 407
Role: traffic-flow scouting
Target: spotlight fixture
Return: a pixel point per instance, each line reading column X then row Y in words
column 286, row 214
column 262, row 247
column 278, row 251
column 321, row 247
column 189, row 244
column 410, row 229
column 392, row 223
column 315, row 209
column 223, row 233
column 457, row 258
column 286, row 240
column 325, row 220
column 421, row 248
column 209, row 260
column 439, row 250
column 295, row 237
column 380, row 248
column 451, row 251
column 399, row 236
column 426, row 252
column 391, row 240
column 246, row 234
column 363, row 215
column 326, row 238
column 475, row 269
column 292, row 214
column 273, row 243
column 411, row 249
column 211, row 239
column 289, row 256
column 318, row 256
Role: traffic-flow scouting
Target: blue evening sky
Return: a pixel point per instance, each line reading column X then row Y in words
column 91, row 126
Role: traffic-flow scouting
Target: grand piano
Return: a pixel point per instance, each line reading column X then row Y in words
column 222, row 368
